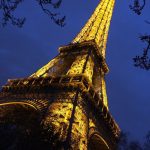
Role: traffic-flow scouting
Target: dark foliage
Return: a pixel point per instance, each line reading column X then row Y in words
column 143, row 61
column 147, row 142
column 137, row 7
column 123, row 141
column 125, row 144
column 54, row 16
column 8, row 7
column 134, row 145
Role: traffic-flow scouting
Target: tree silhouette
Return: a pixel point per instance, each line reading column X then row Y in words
column 142, row 61
column 125, row 144
column 123, row 141
column 147, row 142
column 137, row 7
column 8, row 8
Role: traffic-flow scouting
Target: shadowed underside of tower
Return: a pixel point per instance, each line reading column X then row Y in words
column 67, row 97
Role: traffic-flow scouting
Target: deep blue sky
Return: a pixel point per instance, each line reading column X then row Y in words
column 23, row 51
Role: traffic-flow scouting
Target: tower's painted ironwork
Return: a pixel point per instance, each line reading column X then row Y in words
column 68, row 95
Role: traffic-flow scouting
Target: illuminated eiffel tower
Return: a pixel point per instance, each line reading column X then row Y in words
column 68, row 95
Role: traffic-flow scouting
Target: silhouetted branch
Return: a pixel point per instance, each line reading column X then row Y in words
column 126, row 144
column 135, row 145
column 143, row 61
column 147, row 141
column 146, row 21
column 54, row 16
column 8, row 7
column 123, row 141
column 137, row 7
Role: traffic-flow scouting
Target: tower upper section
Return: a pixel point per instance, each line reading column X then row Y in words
column 97, row 26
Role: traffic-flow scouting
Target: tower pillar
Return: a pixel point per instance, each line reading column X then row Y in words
column 67, row 120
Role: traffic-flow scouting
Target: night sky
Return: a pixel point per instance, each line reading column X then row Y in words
column 23, row 51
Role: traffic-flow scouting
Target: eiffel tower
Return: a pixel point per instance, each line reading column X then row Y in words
column 67, row 97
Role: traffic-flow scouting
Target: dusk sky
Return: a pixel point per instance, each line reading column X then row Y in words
column 25, row 50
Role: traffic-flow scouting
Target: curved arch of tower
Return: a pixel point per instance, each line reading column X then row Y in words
column 68, row 95
column 97, row 142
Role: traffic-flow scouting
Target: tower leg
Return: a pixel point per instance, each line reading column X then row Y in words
column 67, row 123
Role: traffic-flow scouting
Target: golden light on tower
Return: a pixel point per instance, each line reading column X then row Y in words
column 70, row 91
column 97, row 27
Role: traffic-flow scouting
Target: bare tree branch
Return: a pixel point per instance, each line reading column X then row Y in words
column 146, row 21
column 137, row 7
column 54, row 16
column 144, row 60
column 8, row 7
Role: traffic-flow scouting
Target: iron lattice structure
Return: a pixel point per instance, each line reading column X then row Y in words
column 68, row 95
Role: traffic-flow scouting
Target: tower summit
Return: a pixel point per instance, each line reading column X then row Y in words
column 68, row 95
column 97, row 27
